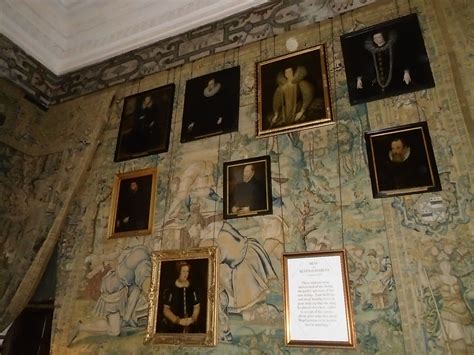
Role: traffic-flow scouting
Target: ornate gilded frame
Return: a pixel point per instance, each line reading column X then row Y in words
column 203, row 273
column 146, row 177
column 270, row 74
column 318, row 309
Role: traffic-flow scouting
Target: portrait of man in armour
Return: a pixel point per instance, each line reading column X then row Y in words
column 385, row 60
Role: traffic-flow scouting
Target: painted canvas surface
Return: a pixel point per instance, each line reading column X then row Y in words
column 386, row 59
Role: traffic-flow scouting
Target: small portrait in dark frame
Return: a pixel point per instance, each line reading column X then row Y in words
column 247, row 187
column 133, row 201
column 146, row 123
column 401, row 161
column 211, row 105
column 386, row 59
column 293, row 92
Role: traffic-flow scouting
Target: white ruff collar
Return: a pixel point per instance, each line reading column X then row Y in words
column 211, row 92
column 405, row 156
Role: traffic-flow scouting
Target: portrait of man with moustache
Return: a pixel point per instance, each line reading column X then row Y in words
column 401, row 160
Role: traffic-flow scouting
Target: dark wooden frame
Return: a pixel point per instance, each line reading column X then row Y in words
column 233, row 175
column 404, row 39
column 136, row 138
column 203, row 107
column 383, row 173
column 271, row 75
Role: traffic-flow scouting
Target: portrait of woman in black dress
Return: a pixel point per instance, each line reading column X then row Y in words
column 183, row 297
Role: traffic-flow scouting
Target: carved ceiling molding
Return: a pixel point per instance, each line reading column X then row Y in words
column 68, row 35
column 246, row 27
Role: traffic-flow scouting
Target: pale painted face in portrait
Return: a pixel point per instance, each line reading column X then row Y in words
column 249, row 172
column 289, row 73
column 211, row 84
column 212, row 88
column 133, row 186
column 147, row 101
column 183, row 273
column 398, row 151
column 378, row 39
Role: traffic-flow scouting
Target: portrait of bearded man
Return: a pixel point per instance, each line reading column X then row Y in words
column 401, row 160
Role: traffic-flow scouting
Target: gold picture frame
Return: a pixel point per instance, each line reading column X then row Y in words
column 318, row 310
column 133, row 203
column 293, row 92
column 182, row 299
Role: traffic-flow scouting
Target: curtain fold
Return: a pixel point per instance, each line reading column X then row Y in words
column 70, row 181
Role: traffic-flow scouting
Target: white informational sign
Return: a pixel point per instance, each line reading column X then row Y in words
column 317, row 303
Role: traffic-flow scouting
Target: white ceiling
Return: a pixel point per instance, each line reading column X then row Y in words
column 65, row 35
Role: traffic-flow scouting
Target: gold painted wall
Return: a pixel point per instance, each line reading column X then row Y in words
column 322, row 198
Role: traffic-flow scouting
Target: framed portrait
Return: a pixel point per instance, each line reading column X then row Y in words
column 385, row 60
column 133, row 203
column 247, row 187
column 182, row 298
column 146, row 123
column 401, row 161
column 293, row 92
column 211, row 105
column 318, row 310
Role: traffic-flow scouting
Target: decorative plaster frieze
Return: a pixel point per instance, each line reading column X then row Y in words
column 67, row 39
column 246, row 27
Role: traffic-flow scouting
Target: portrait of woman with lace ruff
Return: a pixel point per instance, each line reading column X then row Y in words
column 385, row 60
